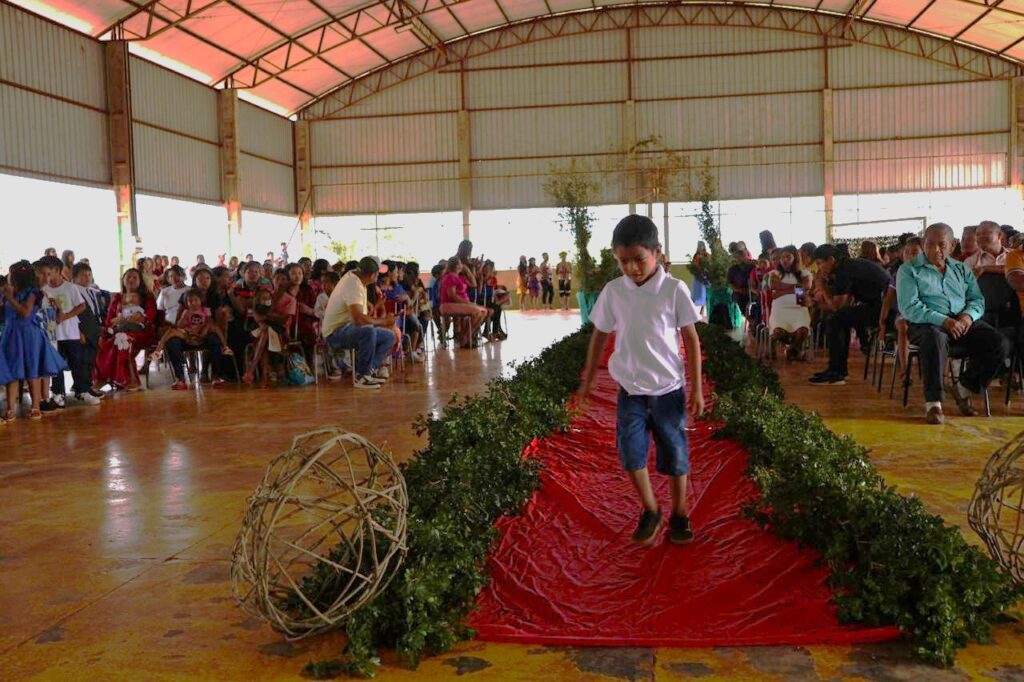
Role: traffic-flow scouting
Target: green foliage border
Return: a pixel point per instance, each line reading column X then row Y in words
column 891, row 562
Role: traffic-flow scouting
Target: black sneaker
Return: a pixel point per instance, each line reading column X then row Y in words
column 48, row 407
column 647, row 528
column 828, row 379
column 680, row 531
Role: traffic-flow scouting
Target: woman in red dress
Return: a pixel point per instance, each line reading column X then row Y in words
column 115, row 357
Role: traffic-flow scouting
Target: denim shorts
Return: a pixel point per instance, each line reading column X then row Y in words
column 663, row 416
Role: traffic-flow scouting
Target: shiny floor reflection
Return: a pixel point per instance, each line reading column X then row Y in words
column 117, row 524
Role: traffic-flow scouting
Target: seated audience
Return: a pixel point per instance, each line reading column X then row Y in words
column 346, row 324
column 168, row 300
column 194, row 330
column 941, row 301
column 131, row 328
column 455, row 301
column 738, row 275
column 991, row 254
column 854, row 302
column 790, row 319
column 890, row 317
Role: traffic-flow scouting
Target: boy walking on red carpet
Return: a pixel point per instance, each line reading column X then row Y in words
column 648, row 310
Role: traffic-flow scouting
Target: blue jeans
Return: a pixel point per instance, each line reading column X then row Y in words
column 664, row 417
column 372, row 345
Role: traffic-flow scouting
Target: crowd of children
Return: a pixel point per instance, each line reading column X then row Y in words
column 255, row 321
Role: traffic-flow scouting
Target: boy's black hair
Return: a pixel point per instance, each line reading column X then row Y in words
column 636, row 230
column 78, row 268
column 437, row 271
column 351, row 265
column 178, row 269
column 50, row 262
column 330, row 276
column 826, row 251
column 23, row 276
column 808, row 247
column 218, row 271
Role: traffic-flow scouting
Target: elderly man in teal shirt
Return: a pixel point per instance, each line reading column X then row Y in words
column 940, row 299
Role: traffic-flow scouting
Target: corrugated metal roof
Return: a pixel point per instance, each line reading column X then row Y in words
column 291, row 52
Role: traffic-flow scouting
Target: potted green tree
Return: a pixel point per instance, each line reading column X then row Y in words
column 713, row 268
column 573, row 189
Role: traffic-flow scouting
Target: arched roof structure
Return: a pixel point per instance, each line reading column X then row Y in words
column 292, row 54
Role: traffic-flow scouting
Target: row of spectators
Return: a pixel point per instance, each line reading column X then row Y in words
column 253, row 321
column 931, row 294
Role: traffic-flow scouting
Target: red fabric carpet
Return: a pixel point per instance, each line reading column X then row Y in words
column 565, row 572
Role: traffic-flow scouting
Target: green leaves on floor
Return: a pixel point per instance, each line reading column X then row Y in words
column 892, row 562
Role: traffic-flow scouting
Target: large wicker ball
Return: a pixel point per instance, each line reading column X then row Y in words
column 997, row 508
column 324, row 533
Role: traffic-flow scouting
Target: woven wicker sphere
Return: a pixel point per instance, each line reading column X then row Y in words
column 324, row 533
column 997, row 509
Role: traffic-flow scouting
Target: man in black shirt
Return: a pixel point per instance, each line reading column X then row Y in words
column 738, row 276
column 858, row 286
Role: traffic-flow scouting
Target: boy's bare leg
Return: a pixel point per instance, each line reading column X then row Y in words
column 642, row 484
column 678, row 485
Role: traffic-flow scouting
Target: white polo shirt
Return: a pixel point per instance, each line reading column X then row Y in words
column 646, row 321
column 982, row 259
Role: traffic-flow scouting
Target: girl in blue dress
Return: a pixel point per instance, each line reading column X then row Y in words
column 26, row 353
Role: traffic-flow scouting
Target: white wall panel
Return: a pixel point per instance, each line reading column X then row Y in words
column 916, row 165
column 266, row 185
column 49, row 58
column 438, row 91
column 856, row 65
column 718, row 76
column 384, row 140
column 171, row 101
column 548, row 85
column 731, row 122
column 264, row 134
column 42, row 135
column 670, row 41
column 597, row 45
column 388, row 189
column 947, row 109
column 768, row 172
column 757, row 115
column 173, row 165
column 558, row 131
column 515, row 184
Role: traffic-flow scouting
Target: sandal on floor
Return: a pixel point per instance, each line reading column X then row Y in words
column 35, row 415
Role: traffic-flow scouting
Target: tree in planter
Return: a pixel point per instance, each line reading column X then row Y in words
column 574, row 189
column 713, row 268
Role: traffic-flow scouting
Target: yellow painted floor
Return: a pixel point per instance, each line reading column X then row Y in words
column 117, row 523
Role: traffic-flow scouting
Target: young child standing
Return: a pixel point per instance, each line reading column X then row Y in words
column 25, row 345
column 648, row 310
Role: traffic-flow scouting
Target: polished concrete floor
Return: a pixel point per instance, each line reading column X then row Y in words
column 117, row 523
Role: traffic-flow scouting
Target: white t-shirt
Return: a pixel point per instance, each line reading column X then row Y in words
column 320, row 307
column 67, row 297
column 349, row 291
column 646, row 321
column 169, row 301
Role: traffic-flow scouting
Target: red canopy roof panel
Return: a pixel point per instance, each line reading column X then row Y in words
column 287, row 52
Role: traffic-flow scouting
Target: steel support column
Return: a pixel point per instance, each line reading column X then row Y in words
column 303, row 184
column 1015, row 165
column 465, row 171
column 230, row 185
column 122, row 152
column 632, row 182
column 827, row 166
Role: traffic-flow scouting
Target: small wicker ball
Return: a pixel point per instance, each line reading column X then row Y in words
column 997, row 508
column 323, row 534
